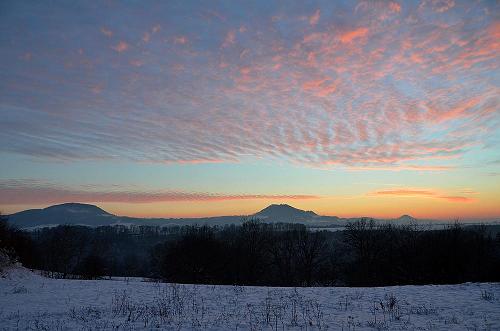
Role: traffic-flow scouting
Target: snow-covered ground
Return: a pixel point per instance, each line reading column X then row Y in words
column 30, row 301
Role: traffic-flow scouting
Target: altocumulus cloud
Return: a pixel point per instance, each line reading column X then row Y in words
column 374, row 84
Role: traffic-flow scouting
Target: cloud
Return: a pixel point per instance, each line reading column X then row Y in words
column 406, row 192
column 320, row 87
column 106, row 32
column 350, row 36
column 229, row 39
column 120, row 47
column 457, row 198
column 181, row 40
column 439, row 6
column 314, row 19
column 425, row 193
column 414, row 91
column 156, row 28
column 395, row 7
column 401, row 168
column 137, row 63
column 37, row 192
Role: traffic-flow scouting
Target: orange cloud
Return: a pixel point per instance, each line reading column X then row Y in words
column 395, row 7
column 457, row 198
column 426, row 193
column 350, row 36
column 406, row 192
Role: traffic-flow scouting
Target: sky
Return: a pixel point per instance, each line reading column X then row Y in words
column 204, row 108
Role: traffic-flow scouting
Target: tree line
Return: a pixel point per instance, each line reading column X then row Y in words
column 256, row 253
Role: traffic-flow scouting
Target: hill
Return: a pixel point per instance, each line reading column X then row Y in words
column 284, row 213
column 91, row 215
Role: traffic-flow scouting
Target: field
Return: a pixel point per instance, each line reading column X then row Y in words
column 30, row 301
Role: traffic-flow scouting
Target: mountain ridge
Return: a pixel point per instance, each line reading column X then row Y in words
column 275, row 211
column 90, row 215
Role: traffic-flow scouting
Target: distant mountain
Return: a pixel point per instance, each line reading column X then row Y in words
column 405, row 219
column 90, row 215
column 284, row 213
column 67, row 213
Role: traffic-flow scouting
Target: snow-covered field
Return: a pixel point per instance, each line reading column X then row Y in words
column 29, row 301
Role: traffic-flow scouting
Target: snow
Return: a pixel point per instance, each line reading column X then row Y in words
column 30, row 301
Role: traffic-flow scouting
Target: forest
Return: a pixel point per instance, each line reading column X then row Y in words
column 257, row 253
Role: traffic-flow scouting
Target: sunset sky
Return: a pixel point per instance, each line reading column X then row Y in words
column 203, row 108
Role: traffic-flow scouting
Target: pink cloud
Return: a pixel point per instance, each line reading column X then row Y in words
column 350, row 36
column 120, row 47
column 229, row 39
column 320, row 87
column 245, row 70
column 378, row 97
column 314, row 19
column 395, row 7
column 439, row 6
column 182, row 40
column 156, row 28
column 36, row 192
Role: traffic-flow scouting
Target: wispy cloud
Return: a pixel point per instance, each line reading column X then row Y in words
column 350, row 36
column 230, row 38
column 314, row 19
column 120, row 47
column 417, row 192
column 39, row 192
column 106, row 32
column 402, row 168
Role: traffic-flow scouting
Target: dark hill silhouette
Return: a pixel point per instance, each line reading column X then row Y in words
column 284, row 212
column 73, row 207
column 90, row 215
column 406, row 219
column 66, row 213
